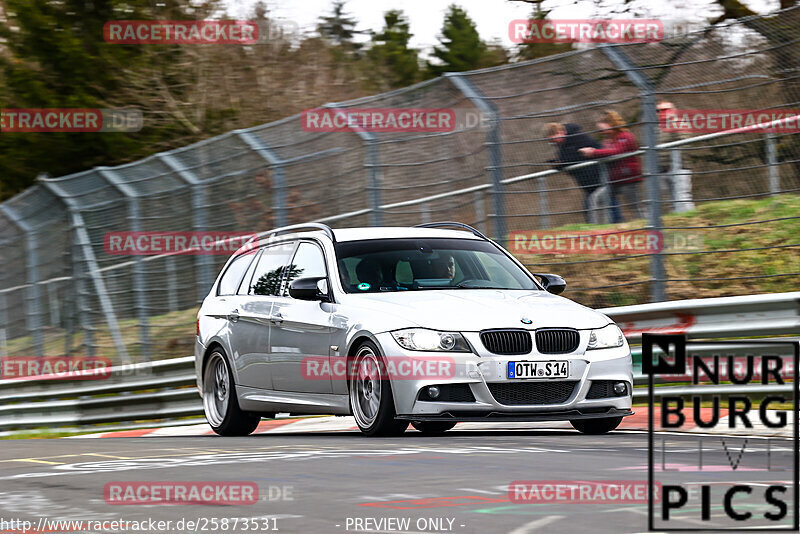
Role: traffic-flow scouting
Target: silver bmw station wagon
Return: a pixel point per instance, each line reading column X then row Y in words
column 428, row 326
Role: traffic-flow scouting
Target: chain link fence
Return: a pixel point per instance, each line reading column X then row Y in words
column 62, row 293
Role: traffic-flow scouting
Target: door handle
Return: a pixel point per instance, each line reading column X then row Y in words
column 276, row 318
column 233, row 316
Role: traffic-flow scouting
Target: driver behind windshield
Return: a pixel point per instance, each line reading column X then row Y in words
column 430, row 263
column 445, row 267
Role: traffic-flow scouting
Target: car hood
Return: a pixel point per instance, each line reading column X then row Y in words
column 473, row 310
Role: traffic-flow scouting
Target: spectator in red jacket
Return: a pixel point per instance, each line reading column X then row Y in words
column 624, row 174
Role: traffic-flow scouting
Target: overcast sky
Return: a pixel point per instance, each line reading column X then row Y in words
column 491, row 16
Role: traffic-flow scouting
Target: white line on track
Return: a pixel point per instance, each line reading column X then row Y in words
column 538, row 523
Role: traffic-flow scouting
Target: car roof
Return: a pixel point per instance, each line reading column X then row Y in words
column 398, row 232
column 374, row 232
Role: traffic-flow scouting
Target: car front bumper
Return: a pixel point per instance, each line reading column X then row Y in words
column 485, row 372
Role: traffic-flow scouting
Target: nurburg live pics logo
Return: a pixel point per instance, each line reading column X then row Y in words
column 748, row 505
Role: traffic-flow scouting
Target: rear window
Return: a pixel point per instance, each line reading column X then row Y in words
column 230, row 281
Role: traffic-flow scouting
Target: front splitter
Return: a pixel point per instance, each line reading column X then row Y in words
column 477, row 417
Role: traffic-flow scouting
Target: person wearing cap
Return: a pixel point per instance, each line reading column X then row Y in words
column 677, row 178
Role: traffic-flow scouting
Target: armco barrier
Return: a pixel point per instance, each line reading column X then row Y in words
column 753, row 315
column 165, row 390
column 158, row 390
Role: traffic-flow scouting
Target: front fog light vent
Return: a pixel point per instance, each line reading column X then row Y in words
column 604, row 389
column 447, row 393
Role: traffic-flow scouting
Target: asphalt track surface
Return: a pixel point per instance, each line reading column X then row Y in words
column 326, row 482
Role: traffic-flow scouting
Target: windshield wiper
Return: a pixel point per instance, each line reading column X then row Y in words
column 433, row 287
column 462, row 285
column 457, row 286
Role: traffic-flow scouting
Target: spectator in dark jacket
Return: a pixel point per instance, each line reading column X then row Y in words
column 568, row 139
column 623, row 174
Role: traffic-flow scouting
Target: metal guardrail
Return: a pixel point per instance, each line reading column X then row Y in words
column 752, row 315
column 160, row 390
column 165, row 390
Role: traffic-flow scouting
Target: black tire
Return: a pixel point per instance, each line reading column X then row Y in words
column 594, row 427
column 433, row 427
column 219, row 399
column 371, row 399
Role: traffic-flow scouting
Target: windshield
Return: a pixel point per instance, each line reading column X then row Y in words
column 386, row 265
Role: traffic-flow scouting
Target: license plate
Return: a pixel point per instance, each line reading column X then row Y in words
column 554, row 369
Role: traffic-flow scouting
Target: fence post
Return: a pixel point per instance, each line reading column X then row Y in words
column 172, row 285
column 81, row 274
column 773, row 169
column 494, row 146
column 425, row 214
column 681, row 183
column 3, row 323
column 544, row 204
column 675, row 167
column 33, row 318
column 278, row 174
column 84, row 244
column 199, row 222
column 372, row 163
column 607, row 199
column 70, row 301
column 139, row 283
column 480, row 212
column 52, row 302
column 650, row 139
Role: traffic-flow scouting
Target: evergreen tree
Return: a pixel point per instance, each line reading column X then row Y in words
column 461, row 47
column 495, row 55
column 396, row 64
column 527, row 51
column 338, row 28
column 54, row 56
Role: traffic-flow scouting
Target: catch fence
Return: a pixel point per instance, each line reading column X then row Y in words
column 62, row 292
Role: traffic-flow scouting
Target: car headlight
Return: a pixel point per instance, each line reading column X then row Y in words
column 430, row 340
column 605, row 338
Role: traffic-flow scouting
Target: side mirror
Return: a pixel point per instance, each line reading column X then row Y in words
column 552, row 283
column 315, row 288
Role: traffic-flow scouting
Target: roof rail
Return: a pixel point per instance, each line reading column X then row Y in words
column 315, row 226
column 444, row 224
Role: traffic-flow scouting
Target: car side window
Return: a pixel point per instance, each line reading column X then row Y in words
column 308, row 262
column 233, row 274
column 245, row 285
column 269, row 272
